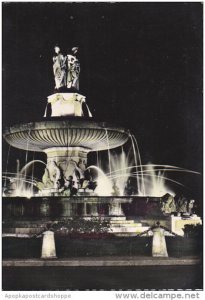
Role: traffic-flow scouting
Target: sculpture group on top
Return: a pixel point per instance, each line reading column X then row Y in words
column 66, row 69
column 66, row 99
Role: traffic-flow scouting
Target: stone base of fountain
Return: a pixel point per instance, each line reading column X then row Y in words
column 28, row 216
column 86, row 192
column 178, row 223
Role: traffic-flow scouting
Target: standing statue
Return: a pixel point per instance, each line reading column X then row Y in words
column 73, row 69
column 59, row 68
column 66, row 69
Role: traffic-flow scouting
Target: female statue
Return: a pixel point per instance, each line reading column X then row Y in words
column 59, row 68
column 73, row 72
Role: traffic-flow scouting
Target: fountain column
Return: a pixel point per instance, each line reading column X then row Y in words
column 66, row 158
column 62, row 162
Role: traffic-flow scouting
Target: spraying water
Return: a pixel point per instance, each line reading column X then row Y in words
column 25, row 169
column 135, row 160
column 142, row 187
column 120, row 176
column 7, row 161
column 155, row 182
column 20, row 184
column 108, row 149
column 104, row 184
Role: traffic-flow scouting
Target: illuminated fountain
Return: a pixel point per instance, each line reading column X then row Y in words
column 66, row 137
column 66, row 143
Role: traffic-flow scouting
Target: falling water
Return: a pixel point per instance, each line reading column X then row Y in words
column 104, row 185
column 27, row 145
column 25, row 168
column 140, row 162
column 122, row 184
column 121, row 171
column 135, row 160
column 7, row 161
column 97, row 154
column 33, row 166
column 108, row 149
column 155, row 183
column 89, row 112
column 21, row 185
column 21, row 176
column 17, row 173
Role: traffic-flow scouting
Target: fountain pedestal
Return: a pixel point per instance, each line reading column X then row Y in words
column 62, row 162
column 67, row 157
column 48, row 245
column 67, row 104
column 178, row 223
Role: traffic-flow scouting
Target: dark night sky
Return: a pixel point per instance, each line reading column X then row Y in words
column 141, row 67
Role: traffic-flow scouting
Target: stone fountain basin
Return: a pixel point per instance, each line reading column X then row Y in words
column 61, row 206
column 91, row 135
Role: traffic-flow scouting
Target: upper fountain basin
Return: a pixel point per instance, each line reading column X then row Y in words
column 91, row 135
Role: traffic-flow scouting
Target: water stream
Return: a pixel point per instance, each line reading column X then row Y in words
column 108, row 149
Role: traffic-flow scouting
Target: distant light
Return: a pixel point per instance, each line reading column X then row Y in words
column 71, row 17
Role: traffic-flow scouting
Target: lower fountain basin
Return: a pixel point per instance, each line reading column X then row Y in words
column 62, row 206
column 128, row 216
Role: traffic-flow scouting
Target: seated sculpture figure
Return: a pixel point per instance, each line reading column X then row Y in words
column 181, row 204
column 52, row 176
column 168, row 204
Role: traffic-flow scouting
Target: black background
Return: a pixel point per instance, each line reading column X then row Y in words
column 141, row 66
